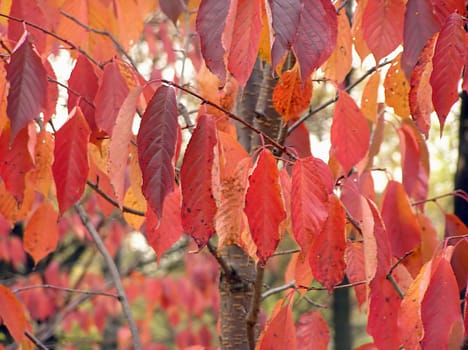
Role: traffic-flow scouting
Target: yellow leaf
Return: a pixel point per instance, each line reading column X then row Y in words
column 397, row 89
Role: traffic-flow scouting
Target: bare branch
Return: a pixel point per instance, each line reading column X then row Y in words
column 252, row 316
column 114, row 272
column 279, row 289
column 286, row 252
column 65, row 289
column 35, row 340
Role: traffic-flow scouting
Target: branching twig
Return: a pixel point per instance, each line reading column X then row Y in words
column 459, row 193
column 116, row 43
column 340, row 286
column 287, row 252
column 334, row 99
column 392, row 279
column 279, row 289
column 232, row 116
column 104, row 195
column 115, row 275
column 65, row 289
column 58, row 37
column 35, row 341
column 252, row 316
column 353, row 222
column 224, row 266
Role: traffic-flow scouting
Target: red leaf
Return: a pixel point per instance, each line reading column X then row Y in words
column 163, row 234
column 41, row 233
column 27, row 96
column 264, row 205
column 326, row 255
column 349, row 132
column 383, row 314
column 299, row 140
column 401, row 222
column 12, row 314
column 109, row 98
column 280, row 331
column 119, row 142
column 71, row 166
column 285, row 19
column 420, row 96
column 172, row 9
column 441, row 294
column 444, row 8
column 316, row 35
column 382, row 26
column 243, row 49
column 312, row 332
column 17, row 160
column 420, row 26
column 196, row 180
column 414, row 162
column 312, row 182
column 84, row 81
column 355, row 269
column 448, row 63
column 156, row 141
column 211, row 20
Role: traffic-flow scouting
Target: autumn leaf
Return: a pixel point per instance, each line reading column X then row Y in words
column 197, row 178
column 41, row 233
column 27, row 96
column 264, row 205
column 280, row 331
column 397, row 89
column 70, row 167
column 369, row 97
column 290, row 96
column 156, row 141
column 350, row 133
column 12, row 314
column 450, row 47
column 312, row 332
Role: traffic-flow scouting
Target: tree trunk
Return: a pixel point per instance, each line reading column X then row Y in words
column 238, row 314
column 461, row 175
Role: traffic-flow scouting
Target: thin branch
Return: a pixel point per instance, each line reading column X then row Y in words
column 459, row 193
column 231, row 115
column 35, row 340
column 65, row 289
column 224, row 266
column 252, row 316
column 340, row 286
column 74, row 92
column 313, row 303
column 104, row 195
column 396, row 286
column 392, row 279
column 344, row 3
column 59, row 38
column 114, row 272
column 279, row 289
column 353, row 221
column 287, row 252
column 399, row 261
column 116, row 43
column 334, row 99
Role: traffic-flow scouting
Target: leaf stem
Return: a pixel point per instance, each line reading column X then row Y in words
column 114, row 273
column 65, row 289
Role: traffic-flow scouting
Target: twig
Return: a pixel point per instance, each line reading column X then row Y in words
column 313, row 303
column 224, row 266
column 35, row 341
column 398, row 262
column 353, row 221
column 279, row 289
column 392, row 279
column 252, row 316
column 396, row 286
column 74, row 92
column 340, row 286
column 286, row 252
column 231, row 116
column 59, row 38
column 65, row 289
column 114, row 272
column 334, row 99
column 104, row 195
column 456, row 193
column 116, row 43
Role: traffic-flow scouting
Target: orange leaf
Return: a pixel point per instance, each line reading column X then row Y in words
column 420, row 96
column 41, row 176
column 358, row 36
column 311, row 185
column 13, row 315
column 264, row 205
column 290, row 96
column 339, row 63
column 382, row 26
column 448, row 62
column 401, row 222
column 369, row 97
column 280, row 331
column 163, row 234
column 397, row 89
column 349, row 132
column 299, row 270
column 312, row 332
column 71, row 166
column 326, row 255
column 41, row 233
column 198, row 175
column 135, row 201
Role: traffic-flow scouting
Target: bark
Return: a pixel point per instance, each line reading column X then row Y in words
column 461, row 174
column 238, row 306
